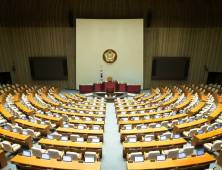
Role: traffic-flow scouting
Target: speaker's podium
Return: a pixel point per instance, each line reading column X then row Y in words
column 110, row 84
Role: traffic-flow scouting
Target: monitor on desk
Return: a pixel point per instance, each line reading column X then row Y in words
column 67, row 158
column 69, row 105
column 199, row 117
column 148, row 139
column 200, row 132
column 132, row 140
column 49, row 114
column 210, row 129
column 158, row 125
column 51, row 137
column 147, row 117
column 72, row 111
column 143, row 126
column 32, row 120
column 162, row 138
column 174, row 113
column 90, row 113
column 23, row 118
column 182, row 155
column 176, row 136
column 125, row 119
column 191, row 120
column 5, row 127
column 77, row 118
column 15, row 130
column 46, row 156
column 80, row 139
column 161, row 157
column 128, row 127
column 26, row 153
column 142, row 111
column 84, row 107
column 87, row 119
column 66, row 126
column 138, row 159
column 24, row 132
column 157, row 116
column 80, row 127
column 42, row 123
column 96, row 127
column 151, row 111
column 95, row 140
column 181, row 122
column 64, row 110
column 64, row 138
column 200, row 152
column 181, row 111
column 57, row 116
column 89, row 159
column 218, row 126
column 136, row 118
column 166, row 115
column 99, row 119
column 57, row 108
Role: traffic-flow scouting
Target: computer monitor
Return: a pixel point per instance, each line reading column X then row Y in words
column 199, row 117
column 162, row 138
column 66, row 126
column 80, row 127
column 181, row 111
column 87, row 119
column 200, row 152
column 51, row 137
column 67, row 158
column 64, row 138
column 128, row 127
column 191, row 120
column 46, row 156
column 166, row 108
column 32, row 120
column 161, row 157
column 90, row 113
column 200, row 132
column 69, row 105
column 95, row 140
column 25, row 133
column 125, row 119
column 210, row 129
column 57, row 116
column 138, row 159
column 176, row 136
column 100, row 113
column 157, row 116
column 142, row 111
column 84, row 107
column 163, row 101
column 23, row 118
column 49, row 114
column 180, row 122
column 96, row 127
column 158, row 125
column 136, row 118
column 143, row 126
column 5, row 127
column 26, row 153
column 57, row 108
column 151, row 111
column 148, row 139
column 182, row 155
column 64, row 110
column 15, row 130
column 99, row 119
column 79, row 139
column 147, row 117
column 218, row 126
column 132, row 140
column 77, row 118
column 72, row 111
column 166, row 115
column 176, row 104
column 89, row 159
column 174, row 113
column 42, row 123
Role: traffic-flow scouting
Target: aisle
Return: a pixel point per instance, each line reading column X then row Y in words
column 112, row 148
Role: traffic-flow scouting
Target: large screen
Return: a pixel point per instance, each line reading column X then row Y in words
column 170, row 68
column 48, row 68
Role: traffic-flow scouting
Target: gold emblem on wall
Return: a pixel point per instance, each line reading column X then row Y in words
column 109, row 56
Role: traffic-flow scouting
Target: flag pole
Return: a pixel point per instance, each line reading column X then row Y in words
column 101, row 73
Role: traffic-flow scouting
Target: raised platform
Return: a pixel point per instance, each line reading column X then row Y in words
column 110, row 97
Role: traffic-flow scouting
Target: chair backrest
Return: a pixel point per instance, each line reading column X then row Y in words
column 57, row 136
column 172, row 153
column 174, row 122
column 65, row 117
column 131, row 136
column 214, row 125
column 74, row 137
column 9, row 125
column 192, row 132
column 164, row 123
column 188, row 150
column 204, row 128
column 54, row 153
column 153, row 154
column 36, row 152
column 167, row 134
column 74, row 155
column 216, row 145
column 91, row 137
column 19, row 129
column 152, row 136
column 152, row 125
column 132, row 155
column 48, row 123
column 92, row 154
column 31, row 133
column 71, row 126
column 7, row 146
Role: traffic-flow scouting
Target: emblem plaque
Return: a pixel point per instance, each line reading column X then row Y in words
column 109, row 56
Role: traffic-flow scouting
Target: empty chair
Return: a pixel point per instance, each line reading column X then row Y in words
column 152, row 125
column 33, row 134
column 190, row 133
column 57, row 136
column 164, row 123
column 55, row 154
column 38, row 152
column 167, row 134
column 130, row 136
column 172, row 153
column 92, row 154
column 74, row 137
column 91, row 137
column 152, row 136
column 65, row 117
column 71, row 126
column 10, row 148
column 19, row 129
column 189, row 150
column 151, row 155
column 174, row 122
column 38, row 120
column 75, row 156
column 96, row 127
column 51, row 126
column 10, row 127
column 214, row 125
column 132, row 155
column 213, row 147
column 204, row 128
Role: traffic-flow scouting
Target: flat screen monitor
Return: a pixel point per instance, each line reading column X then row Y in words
column 157, row 116
column 88, row 119
column 99, row 119
column 166, row 115
column 90, row 113
column 180, row 122
column 64, row 110
column 147, row 117
column 176, row 136
column 25, row 133
column 210, row 129
column 181, row 111
column 84, row 107
column 218, row 126
column 138, row 159
column 80, row 140
column 57, row 116
column 128, row 127
column 26, row 153
column 132, row 140
column 162, row 138
column 142, row 111
column 46, row 156
column 199, row 117
column 80, row 127
column 14, row 130
column 42, row 123
column 200, row 152
column 66, row 126
column 32, row 120
column 148, row 139
column 125, row 119
column 77, row 118
column 143, row 126
column 182, row 155
column 136, row 118
column 57, row 108
column 158, row 125
column 174, row 113
column 23, row 118
column 96, row 127
column 89, row 159
column 100, row 113
column 72, row 111
column 95, row 140
column 191, row 120
column 200, row 132
column 151, row 111
column 166, row 108
column 161, row 157
column 6, row 127
column 64, row 138
column 51, row 137
column 67, row 158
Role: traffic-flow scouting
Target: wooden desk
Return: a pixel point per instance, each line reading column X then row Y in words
column 149, row 97
column 43, row 95
column 187, row 126
column 175, row 97
column 137, row 110
column 81, row 109
column 24, row 109
column 152, row 146
column 3, row 161
column 213, row 115
column 7, row 115
column 39, row 106
column 219, row 161
column 71, row 146
column 184, row 104
column 159, row 99
column 134, row 123
column 90, row 123
column 72, row 98
column 169, row 163
column 206, row 137
column 82, row 133
column 53, row 163
column 141, row 132
column 60, row 99
column 131, row 105
column 57, row 121
column 16, row 138
column 44, row 129
column 139, row 96
column 196, row 109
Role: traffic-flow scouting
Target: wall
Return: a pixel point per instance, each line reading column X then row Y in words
column 183, row 28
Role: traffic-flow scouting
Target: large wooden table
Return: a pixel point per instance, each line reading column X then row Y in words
column 44, row 129
column 57, row 121
column 152, row 146
column 82, row 133
column 196, row 109
column 213, row 115
column 184, row 104
column 81, row 109
column 142, row 132
column 136, row 110
column 189, row 125
column 24, row 109
column 53, row 163
column 16, row 138
column 71, row 146
column 7, row 115
column 169, row 163
column 90, row 123
column 39, row 106
column 3, row 161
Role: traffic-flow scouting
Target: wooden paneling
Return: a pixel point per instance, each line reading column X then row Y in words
column 185, row 28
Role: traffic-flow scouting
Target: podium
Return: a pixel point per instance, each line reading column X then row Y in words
column 110, row 85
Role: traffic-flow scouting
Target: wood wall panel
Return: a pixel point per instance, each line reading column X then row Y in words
column 185, row 28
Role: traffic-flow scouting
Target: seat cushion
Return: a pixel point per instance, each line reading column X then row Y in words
column 186, row 133
column 15, row 147
column 208, row 146
column 37, row 134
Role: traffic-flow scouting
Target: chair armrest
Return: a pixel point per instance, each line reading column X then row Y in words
column 80, row 156
column 142, row 138
column 98, row 157
column 46, row 151
column 61, row 154
column 127, row 157
column 145, row 156
column 179, row 150
column 125, row 138
column 15, row 146
column 164, row 152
